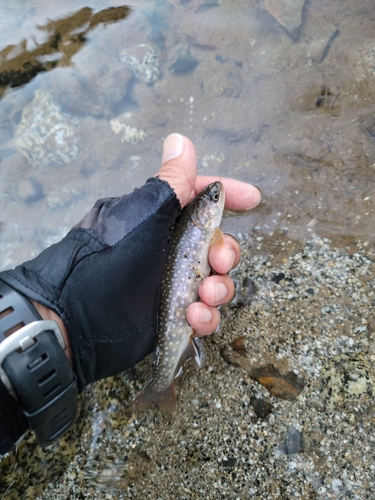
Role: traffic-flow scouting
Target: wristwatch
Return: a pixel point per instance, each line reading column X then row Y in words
column 34, row 367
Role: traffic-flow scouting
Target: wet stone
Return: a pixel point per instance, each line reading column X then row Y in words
column 46, row 135
column 181, row 60
column 232, row 358
column 229, row 462
column 238, row 345
column 294, row 442
column 278, row 277
column 30, row 191
column 347, row 379
column 121, row 127
column 247, row 292
column 142, row 60
column 95, row 91
column 286, row 12
column 284, row 386
column 261, row 407
column 64, row 197
column 318, row 48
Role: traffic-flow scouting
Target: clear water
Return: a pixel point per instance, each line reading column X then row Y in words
column 89, row 91
column 258, row 105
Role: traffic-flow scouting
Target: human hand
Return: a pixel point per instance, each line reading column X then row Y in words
column 102, row 281
column 179, row 169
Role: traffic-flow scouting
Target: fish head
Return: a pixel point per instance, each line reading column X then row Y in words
column 210, row 205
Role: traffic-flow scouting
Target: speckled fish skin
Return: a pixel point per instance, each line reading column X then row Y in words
column 186, row 268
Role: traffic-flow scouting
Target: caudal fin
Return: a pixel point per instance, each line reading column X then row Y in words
column 150, row 399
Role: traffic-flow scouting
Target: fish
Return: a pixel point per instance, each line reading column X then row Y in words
column 195, row 230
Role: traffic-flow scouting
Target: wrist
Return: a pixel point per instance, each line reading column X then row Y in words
column 48, row 314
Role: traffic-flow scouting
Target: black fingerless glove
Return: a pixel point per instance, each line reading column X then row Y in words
column 103, row 279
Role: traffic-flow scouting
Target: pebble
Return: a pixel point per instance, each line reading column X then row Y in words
column 293, row 442
column 261, row 407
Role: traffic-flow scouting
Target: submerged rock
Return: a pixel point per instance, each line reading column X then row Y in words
column 181, row 60
column 95, row 92
column 142, row 60
column 64, row 197
column 282, row 385
column 46, row 135
column 30, row 191
column 127, row 133
column 286, row 12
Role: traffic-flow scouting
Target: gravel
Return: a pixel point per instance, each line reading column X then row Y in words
column 309, row 312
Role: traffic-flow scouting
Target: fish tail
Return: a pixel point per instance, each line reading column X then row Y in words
column 150, row 398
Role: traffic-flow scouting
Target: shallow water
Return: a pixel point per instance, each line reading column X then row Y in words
column 283, row 98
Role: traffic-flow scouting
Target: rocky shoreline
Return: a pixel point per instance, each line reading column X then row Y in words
column 282, row 409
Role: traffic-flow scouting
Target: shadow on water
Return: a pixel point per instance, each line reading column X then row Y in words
column 66, row 37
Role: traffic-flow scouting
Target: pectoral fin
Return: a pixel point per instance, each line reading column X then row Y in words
column 194, row 352
column 218, row 239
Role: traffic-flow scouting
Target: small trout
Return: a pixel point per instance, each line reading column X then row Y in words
column 187, row 266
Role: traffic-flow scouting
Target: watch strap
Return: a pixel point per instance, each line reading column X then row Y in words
column 36, row 369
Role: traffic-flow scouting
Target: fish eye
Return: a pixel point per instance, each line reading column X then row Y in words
column 215, row 196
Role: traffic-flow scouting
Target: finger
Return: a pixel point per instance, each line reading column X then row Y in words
column 226, row 256
column 179, row 166
column 216, row 290
column 238, row 195
column 202, row 318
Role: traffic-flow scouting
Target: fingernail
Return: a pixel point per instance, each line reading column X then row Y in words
column 257, row 197
column 205, row 315
column 173, row 147
column 231, row 258
column 220, row 291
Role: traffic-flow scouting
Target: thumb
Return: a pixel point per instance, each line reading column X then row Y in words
column 179, row 166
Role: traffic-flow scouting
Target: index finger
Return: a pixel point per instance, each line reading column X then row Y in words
column 238, row 195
